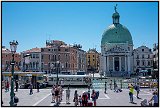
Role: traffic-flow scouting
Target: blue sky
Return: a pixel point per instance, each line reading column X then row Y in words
column 32, row 23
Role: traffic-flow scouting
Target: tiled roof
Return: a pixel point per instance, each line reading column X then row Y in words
column 5, row 50
column 33, row 50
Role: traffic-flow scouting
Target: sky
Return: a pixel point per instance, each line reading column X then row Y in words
column 32, row 23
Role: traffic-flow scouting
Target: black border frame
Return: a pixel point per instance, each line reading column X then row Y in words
column 77, row 1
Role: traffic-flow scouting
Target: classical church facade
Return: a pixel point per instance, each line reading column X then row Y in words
column 116, row 49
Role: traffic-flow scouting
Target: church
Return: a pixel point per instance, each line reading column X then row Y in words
column 116, row 49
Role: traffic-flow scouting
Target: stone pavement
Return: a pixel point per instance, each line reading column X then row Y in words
column 43, row 98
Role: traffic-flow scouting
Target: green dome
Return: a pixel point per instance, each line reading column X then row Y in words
column 116, row 33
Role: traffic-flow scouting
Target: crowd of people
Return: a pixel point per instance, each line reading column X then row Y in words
column 57, row 92
column 83, row 99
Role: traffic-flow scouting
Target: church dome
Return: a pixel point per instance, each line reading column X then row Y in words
column 116, row 33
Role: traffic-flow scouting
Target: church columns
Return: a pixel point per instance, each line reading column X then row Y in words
column 104, row 66
column 113, row 64
column 107, row 63
column 125, row 62
column 119, row 63
column 129, row 67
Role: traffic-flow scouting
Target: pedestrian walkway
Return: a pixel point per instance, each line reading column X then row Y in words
column 43, row 98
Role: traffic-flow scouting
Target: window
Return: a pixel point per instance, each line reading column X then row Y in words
column 33, row 55
column 142, row 50
column 93, row 59
column 59, row 57
column 42, row 56
column 128, row 49
column 33, row 65
column 59, row 49
column 148, row 56
column 42, row 65
column 48, row 49
column 6, row 55
column 49, row 57
column 93, row 55
column 55, row 58
column 137, row 63
column 88, row 56
column 48, row 65
column 37, row 55
column 143, row 63
column 148, row 63
column 142, row 56
column 66, row 49
column 137, row 56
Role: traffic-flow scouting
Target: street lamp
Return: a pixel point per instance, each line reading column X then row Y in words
column 13, row 46
column 57, row 70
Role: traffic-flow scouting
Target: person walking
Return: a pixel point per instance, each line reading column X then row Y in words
column 154, row 98
column 80, row 100
column 16, row 85
column 75, row 98
column 114, row 84
column 110, row 85
column 67, row 95
column 31, row 88
column 137, row 88
column 61, row 92
column 115, row 87
column 105, row 91
column 84, row 99
column 131, row 90
column 38, row 86
column 89, row 94
column 53, row 94
column 7, row 86
column 56, row 94
column 93, row 96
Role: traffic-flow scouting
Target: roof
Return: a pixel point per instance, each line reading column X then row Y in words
column 64, row 46
column 116, row 33
column 5, row 50
column 33, row 50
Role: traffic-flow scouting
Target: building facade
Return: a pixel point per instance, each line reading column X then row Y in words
column 143, row 61
column 117, row 49
column 33, row 62
column 155, row 73
column 93, row 60
column 7, row 58
column 155, row 56
column 71, row 58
